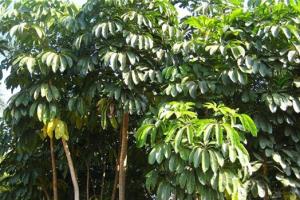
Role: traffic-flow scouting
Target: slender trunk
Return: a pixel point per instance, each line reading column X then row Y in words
column 87, row 181
column 113, row 196
column 54, row 176
column 46, row 194
column 123, row 157
column 94, row 190
column 72, row 170
column 103, row 180
column 265, row 172
column 115, row 186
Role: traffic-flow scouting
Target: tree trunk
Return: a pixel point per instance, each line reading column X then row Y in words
column 117, row 155
column 87, row 181
column 265, row 172
column 72, row 170
column 46, row 194
column 54, row 176
column 113, row 196
column 103, row 180
column 123, row 157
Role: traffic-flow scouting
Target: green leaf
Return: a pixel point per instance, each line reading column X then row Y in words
column 219, row 134
column 44, row 90
column 196, row 157
column 178, row 139
column 286, row 32
column 132, row 57
column 32, row 109
column 182, row 180
column 205, row 159
column 192, row 91
column 296, row 105
column 231, row 134
column 31, row 62
column 53, row 111
column 55, row 92
column 248, row 124
column 291, row 55
column 49, row 59
column 220, row 158
column 261, row 190
column 151, row 180
column 104, row 30
column 55, row 63
column 190, row 185
column 275, row 30
column 238, row 51
column 159, row 154
column 190, row 134
column 122, row 60
column 221, row 182
column 135, row 77
column 152, row 156
column 213, row 161
column 172, row 163
column 142, row 134
column 40, row 111
column 232, row 154
column 49, row 96
column 212, row 49
column 241, row 78
column 113, row 61
column 233, row 75
column 63, row 63
column 207, row 132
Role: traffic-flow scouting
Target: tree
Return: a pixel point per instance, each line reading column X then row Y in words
column 245, row 55
column 59, row 71
column 32, row 27
column 132, row 51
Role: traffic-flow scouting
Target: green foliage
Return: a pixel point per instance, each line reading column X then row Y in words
column 197, row 157
column 79, row 69
column 248, row 58
column 75, row 69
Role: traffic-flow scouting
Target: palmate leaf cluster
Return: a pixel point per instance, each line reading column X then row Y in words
column 79, row 69
column 195, row 157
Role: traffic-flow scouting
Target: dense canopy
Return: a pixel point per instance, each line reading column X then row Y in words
column 122, row 99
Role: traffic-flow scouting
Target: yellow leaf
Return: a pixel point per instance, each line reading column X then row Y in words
column 50, row 128
column 65, row 135
column 59, row 129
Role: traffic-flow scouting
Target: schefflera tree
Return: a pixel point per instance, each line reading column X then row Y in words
column 38, row 59
column 121, row 51
column 248, row 56
column 197, row 156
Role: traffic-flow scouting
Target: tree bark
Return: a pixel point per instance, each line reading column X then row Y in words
column 116, row 180
column 46, row 194
column 54, row 176
column 103, row 180
column 123, row 157
column 72, row 170
column 87, row 181
column 113, row 195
